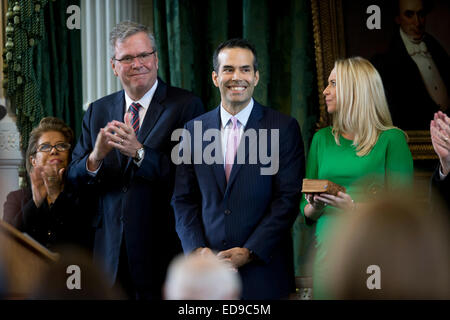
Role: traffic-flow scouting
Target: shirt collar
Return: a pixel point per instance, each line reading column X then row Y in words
column 242, row 116
column 413, row 47
column 145, row 100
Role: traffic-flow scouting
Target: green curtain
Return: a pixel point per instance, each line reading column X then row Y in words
column 44, row 72
column 187, row 32
column 58, row 63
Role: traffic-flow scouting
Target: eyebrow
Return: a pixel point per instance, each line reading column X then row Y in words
column 48, row 142
column 229, row 66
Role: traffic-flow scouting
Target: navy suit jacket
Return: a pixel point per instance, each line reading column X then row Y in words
column 134, row 202
column 253, row 211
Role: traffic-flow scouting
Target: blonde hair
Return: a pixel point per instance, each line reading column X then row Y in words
column 361, row 106
column 398, row 234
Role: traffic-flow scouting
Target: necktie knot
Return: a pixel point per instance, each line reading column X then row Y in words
column 134, row 110
column 234, row 122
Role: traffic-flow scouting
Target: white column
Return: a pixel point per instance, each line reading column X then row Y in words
column 10, row 157
column 98, row 17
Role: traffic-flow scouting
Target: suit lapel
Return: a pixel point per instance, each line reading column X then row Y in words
column 219, row 172
column 152, row 115
column 253, row 123
column 154, row 111
column 117, row 113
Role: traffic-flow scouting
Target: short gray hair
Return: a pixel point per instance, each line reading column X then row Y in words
column 125, row 29
column 196, row 277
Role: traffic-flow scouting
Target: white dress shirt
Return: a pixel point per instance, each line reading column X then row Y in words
column 144, row 102
column 226, row 124
column 430, row 74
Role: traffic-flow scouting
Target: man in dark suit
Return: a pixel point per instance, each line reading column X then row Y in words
column 241, row 206
column 124, row 155
column 415, row 70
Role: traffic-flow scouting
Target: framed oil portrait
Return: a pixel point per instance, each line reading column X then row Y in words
column 344, row 28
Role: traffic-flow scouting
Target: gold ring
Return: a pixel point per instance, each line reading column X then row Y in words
column 51, row 178
column 121, row 141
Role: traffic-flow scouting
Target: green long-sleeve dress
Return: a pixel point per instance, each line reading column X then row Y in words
column 388, row 166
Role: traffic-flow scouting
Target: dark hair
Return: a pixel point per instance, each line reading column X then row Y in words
column 235, row 43
column 46, row 125
column 427, row 7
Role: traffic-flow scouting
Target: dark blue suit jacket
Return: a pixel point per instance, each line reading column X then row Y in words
column 253, row 211
column 133, row 201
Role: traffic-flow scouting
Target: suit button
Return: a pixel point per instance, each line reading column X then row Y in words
column 124, row 189
column 227, row 212
column 224, row 243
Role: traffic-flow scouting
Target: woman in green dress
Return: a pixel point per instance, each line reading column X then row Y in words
column 361, row 151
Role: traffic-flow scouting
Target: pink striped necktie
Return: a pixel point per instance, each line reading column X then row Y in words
column 134, row 110
column 232, row 146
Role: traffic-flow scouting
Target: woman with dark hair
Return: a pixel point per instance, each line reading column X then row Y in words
column 55, row 214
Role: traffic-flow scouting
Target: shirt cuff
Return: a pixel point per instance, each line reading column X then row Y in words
column 93, row 173
column 441, row 175
column 138, row 163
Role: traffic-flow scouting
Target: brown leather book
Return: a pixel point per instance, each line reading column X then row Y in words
column 321, row 186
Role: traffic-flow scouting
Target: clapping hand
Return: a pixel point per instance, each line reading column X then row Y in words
column 122, row 136
column 46, row 183
column 440, row 137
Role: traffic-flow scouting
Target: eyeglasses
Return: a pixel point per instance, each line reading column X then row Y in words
column 142, row 58
column 46, row 147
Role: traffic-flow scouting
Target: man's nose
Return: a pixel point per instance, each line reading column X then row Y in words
column 416, row 20
column 136, row 62
column 53, row 150
column 236, row 75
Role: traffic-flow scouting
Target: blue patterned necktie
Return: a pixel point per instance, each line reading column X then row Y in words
column 134, row 110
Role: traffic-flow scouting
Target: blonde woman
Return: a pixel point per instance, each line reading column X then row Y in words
column 361, row 151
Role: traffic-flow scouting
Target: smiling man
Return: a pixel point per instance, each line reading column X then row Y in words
column 230, row 208
column 124, row 155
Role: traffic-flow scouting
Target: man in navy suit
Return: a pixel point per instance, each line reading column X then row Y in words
column 241, row 207
column 124, row 155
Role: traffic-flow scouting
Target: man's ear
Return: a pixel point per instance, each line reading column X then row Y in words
column 33, row 161
column 113, row 65
column 397, row 20
column 157, row 61
column 214, row 76
column 256, row 77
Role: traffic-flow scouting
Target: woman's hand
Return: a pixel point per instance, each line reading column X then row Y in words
column 314, row 208
column 37, row 186
column 342, row 200
column 316, row 203
column 53, row 181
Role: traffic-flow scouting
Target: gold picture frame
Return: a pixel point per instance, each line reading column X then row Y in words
column 329, row 43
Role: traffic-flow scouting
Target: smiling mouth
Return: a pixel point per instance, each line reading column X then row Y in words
column 237, row 88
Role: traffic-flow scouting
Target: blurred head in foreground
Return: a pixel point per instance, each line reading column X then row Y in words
column 394, row 246
column 197, row 277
